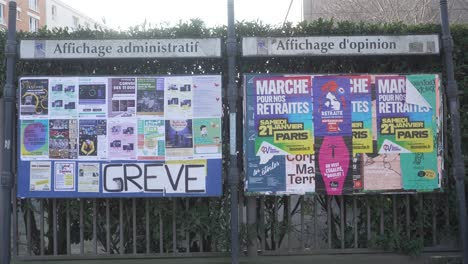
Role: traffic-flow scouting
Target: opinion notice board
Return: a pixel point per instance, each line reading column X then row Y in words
column 342, row 134
column 120, row 136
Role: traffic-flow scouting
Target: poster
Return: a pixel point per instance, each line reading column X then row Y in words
column 404, row 117
column 122, row 135
column 150, row 96
column 39, row 179
column 332, row 106
column 92, row 97
column 63, row 138
column 88, row 177
column 93, row 139
column 207, row 96
column 207, row 137
column 122, row 97
column 34, row 100
column 64, row 176
column 178, row 97
column 300, row 174
column 361, row 103
column 63, row 97
column 34, row 139
column 179, row 139
column 151, row 139
column 267, row 177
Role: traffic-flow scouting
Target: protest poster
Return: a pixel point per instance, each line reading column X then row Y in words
column 64, row 97
column 361, row 101
column 63, row 139
column 122, row 97
column 34, row 98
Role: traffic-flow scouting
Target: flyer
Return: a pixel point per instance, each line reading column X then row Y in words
column 150, row 96
column 207, row 137
column 179, row 139
column 178, row 97
column 93, row 139
column 404, row 116
column 207, row 96
column 63, row 139
column 92, row 97
column 88, row 177
column 361, row 103
column 122, row 97
column 63, row 97
column 268, row 177
column 34, row 100
column 151, row 139
column 34, row 139
column 64, row 176
column 39, row 179
column 122, row 139
column 300, row 174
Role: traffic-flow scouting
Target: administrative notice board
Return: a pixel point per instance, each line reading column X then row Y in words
column 342, row 134
column 130, row 136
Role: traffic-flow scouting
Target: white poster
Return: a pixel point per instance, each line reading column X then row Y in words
column 64, row 176
column 39, row 179
column 88, row 177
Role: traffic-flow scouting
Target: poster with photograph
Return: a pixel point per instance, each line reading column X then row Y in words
column 179, row 139
column 63, row 139
column 39, row 176
column 207, row 137
column 64, row 176
column 93, row 139
column 63, row 97
column 34, row 98
column 151, row 139
column 150, row 96
column 207, row 96
column 88, row 177
column 122, row 97
column 122, row 139
column 178, row 97
column 34, row 139
column 92, row 97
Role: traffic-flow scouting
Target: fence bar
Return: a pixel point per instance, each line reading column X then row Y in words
column 408, row 228
column 289, row 224
column 329, row 219
column 394, row 212
column 262, row 222
column 342, row 221
column 187, row 231
column 302, row 222
column 315, row 222
column 174, row 226
column 121, row 227
column 421, row 218
column 161, row 230
column 355, row 227
column 200, row 201
column 41, row 227
column 434, row 221
column 28, row 226
column 81, row 227
column 447, row 212
column 381, row 213
column 368, row 215
column 134, row 225
column 15, row 222
column 95, row 226
column 275, row 223
column 108, row 234
column 147, row 227
column 67, row 216
column 54, row 225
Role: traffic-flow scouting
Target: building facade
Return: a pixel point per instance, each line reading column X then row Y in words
column 31, row 15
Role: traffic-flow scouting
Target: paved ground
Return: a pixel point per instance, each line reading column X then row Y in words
column 315, row 259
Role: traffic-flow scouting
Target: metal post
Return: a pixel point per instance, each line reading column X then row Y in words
column 232, row 99
column 454, row 107
column 8, row 121
column 252, row 226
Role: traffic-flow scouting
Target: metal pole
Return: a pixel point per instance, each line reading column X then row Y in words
column 232, row 100
column 454, row 107
column 8, row 121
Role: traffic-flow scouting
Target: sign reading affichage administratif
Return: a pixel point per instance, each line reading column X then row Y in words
column 341, row 45
column 120, row 48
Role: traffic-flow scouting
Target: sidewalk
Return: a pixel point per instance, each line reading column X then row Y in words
column 310, row 259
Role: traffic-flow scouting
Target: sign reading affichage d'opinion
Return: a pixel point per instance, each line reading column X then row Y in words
column 124, row 48
column 341, row 45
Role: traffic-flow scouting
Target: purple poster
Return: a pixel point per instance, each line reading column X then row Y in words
column 332, row 106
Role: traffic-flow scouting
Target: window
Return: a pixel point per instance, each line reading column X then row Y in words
column 54, row 12
column 76, row 21
column 33, row 24
column 33, row 5
column 18, row 14
column 2, row 14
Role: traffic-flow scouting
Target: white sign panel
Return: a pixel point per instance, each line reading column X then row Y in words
column 121, row 48
column 341, row 45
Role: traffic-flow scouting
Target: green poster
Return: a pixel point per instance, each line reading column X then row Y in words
column 207, row 136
